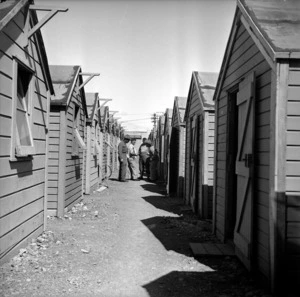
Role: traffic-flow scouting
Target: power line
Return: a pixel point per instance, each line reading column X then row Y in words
column 135, row 120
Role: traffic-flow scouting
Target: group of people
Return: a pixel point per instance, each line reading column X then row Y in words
column 148, row 158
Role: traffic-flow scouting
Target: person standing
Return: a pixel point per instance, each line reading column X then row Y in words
column 144, row 161
column 132, row 159
column 122, row 156
column 154, row 163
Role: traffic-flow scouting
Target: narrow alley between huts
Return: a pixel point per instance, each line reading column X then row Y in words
column 129, row 239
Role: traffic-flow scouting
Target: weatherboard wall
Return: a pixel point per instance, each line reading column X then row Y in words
column 245, row 58
column 22, row 180
column 293, row 174
column 65, row 168
column 202, row 157
column 74, row 164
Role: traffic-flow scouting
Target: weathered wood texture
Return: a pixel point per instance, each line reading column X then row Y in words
column 245, row 58
column 22, row 189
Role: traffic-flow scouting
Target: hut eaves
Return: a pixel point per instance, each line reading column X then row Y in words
column 277, row 22
column 8, row 10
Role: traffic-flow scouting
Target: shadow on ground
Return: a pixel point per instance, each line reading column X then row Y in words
column 165, row 203
column 175, row 233
column 154, row 188
column 226, row 278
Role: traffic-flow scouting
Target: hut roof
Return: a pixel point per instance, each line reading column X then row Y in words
column 277, row 20
column 181, row 105
column 91, row 104
column 8, row 10
column 206, row 84
column 64, row 79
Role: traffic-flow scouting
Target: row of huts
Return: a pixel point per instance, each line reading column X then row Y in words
column 56, row 140
column 234, row 142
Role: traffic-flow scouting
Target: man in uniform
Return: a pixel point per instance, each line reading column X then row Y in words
column 144, row 158
column 122, row 156
column 132, row 159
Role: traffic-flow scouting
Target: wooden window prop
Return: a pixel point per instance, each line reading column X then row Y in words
column 96, row 137
column 109, row 144
column 22, row 143
column 77, row 139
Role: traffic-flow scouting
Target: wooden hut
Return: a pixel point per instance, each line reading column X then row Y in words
column 25, row 90
column 199, row 118
column 105, row 133
column 93, row 141
column 161, row 145
column 257, row 161
column 177, row 148
column 166, row 138
column 68, row 114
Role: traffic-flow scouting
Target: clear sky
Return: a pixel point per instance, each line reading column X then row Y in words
column 145, row 50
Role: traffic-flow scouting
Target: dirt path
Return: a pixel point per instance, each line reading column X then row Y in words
column 128, row 240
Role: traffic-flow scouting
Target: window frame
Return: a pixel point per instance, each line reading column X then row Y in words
column 18, row 150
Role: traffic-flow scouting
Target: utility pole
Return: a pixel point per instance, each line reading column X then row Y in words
column 154, row 118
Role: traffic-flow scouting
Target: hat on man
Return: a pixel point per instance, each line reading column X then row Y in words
column 127, row 137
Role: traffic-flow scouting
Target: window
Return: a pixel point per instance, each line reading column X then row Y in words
column 22, row 140
column 77, row 139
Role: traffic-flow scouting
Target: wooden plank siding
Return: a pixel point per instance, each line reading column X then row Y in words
column 177, row 149
column 244, row 59
column 74, row 169
column 293, row 174
column 200, row 108
column 53, row 159
column 22, row 180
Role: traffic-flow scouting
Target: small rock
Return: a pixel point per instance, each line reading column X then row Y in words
column 28, row 280
column 58, row 242
column 40, row 239
column 85, row 251
column 85, row 208
column 22, row 251
column 96, row 213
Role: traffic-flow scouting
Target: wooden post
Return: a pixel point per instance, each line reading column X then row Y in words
column 277, row 181
column 214, row 202
column 46, row 160
column 62, row 164
column 204, row 191
column 88, row 160
column 101, row 156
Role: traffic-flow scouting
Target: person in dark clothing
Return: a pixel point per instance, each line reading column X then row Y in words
column 144, row 158
column 122, row 156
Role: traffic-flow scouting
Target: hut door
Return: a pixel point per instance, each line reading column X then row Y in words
column 194, row 158
column 243, row 169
